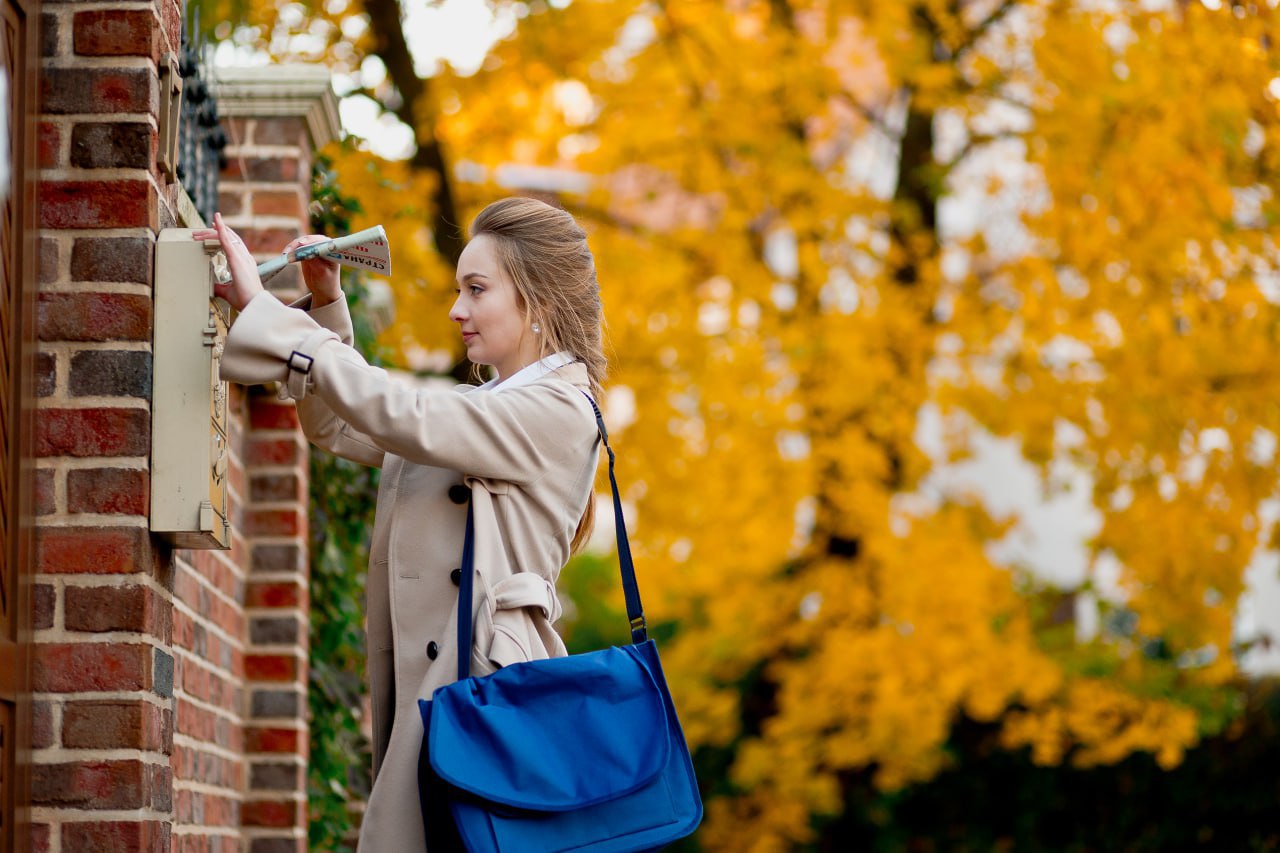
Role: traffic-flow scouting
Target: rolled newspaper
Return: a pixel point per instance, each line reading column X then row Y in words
column 366, row 250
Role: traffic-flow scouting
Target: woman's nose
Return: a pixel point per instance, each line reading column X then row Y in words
column 456, row 314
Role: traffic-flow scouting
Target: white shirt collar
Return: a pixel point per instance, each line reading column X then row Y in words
column 530, row 373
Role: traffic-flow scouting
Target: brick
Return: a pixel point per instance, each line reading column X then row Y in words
column 122, row 491
column 93, row 432
column 48, row 145
column 122, row 145
column 98, row 90
column 280, row 131
column 73, row 667
column 271, row 740
column 230, row 203
column 275, row 630
column 93, row 317
column 92, row 550
column 275, row 813
column 271, row 522
column 171, row 21
column 274, row 703
column 273, row 776
column 44, row 601
column 264, row 414
column 49, row 253
column 265, row 488
column 114, row 724
column 115, row 32
column 278, row 203
column 271, row 451
column 46, row 374
column 90, row 784
column 40, row 837
column 276, row 558
column 111, row 373
column 49, row 28
column 112, row 259
column 276, row 170
column 276, row 845
column 96, row 204
column 43, row 492
column 282, row 667
column 268, row 241
column 163, row 674
column 110, row 608
column 200, row 641
column 41, row 725
column 117, row 836
column 161, row 785
column 286, row 594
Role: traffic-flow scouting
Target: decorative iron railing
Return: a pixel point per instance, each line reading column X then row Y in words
column 201, row 139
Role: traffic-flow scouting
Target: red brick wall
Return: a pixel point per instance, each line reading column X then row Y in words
column 209, row 665
column 103, row 665
column 264, row 194
column 169, row 687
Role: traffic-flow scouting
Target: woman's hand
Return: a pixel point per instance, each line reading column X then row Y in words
column 318, row 273
column 245, row 282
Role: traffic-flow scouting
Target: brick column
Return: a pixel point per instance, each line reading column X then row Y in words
column 150, row 679
column 275, row 117
column 102, row 668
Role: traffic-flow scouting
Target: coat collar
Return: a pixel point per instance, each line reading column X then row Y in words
column 529, row 373
column 561, row 365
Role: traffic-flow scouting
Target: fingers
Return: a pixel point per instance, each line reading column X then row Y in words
column 228, row 238
column 304, row 240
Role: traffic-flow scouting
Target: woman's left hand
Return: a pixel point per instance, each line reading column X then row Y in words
column 245, row 282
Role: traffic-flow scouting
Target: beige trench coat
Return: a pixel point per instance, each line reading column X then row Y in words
column 527, row 455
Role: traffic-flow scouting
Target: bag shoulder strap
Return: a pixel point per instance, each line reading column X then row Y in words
column 630, row 587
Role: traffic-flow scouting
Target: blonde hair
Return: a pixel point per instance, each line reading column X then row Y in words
column 544, row 252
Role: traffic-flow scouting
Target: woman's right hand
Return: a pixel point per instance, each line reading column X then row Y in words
column 319, row 274
column 245, row 282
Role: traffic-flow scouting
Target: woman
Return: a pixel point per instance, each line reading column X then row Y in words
column 522, row 448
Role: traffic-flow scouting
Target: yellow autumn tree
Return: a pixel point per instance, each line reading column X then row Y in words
column 814, row 219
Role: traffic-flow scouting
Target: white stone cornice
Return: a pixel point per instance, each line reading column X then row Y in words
column 274, row 91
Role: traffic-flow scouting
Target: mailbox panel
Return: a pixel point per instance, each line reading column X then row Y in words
column 190, row 450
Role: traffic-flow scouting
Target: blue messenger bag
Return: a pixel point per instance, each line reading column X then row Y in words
column 581, row 753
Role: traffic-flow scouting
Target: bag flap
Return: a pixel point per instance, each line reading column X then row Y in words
column 553, row 735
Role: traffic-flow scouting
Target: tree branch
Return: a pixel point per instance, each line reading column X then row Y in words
column 985, row 24
column 390, row 45
column 870, row 116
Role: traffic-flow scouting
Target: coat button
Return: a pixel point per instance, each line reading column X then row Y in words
column 456, row 577
column 459, row 493
column 433, row 651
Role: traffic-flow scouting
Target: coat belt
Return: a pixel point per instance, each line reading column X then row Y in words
column 527, row 590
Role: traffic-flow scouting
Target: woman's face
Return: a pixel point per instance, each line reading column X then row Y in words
column 487, row 311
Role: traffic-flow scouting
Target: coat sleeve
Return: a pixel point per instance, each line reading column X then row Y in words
column 515, row 435
column 248, row 359
column 321, row 425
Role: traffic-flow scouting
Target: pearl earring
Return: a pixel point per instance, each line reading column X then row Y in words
column 536, row 328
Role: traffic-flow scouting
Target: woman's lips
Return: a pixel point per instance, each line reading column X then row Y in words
column 467, row 336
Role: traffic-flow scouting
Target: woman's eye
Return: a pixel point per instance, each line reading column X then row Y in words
column 476, row 290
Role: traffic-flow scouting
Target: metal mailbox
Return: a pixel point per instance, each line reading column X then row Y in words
column 190, row 450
